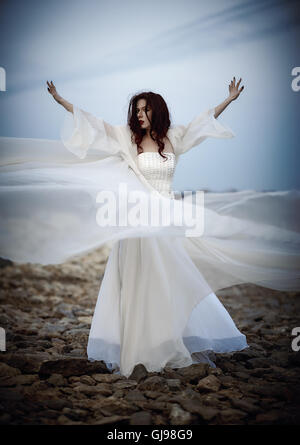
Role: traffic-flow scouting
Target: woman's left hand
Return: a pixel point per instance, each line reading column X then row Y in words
column 234, row 90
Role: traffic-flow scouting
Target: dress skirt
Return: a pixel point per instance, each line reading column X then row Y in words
column 155, row 308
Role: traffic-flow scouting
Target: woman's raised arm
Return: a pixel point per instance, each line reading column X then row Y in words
column 234, row 93
column 52, row 90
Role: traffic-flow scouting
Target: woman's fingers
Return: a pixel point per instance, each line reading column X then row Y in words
column 232, row 84
column 51, row 87
column 234, row 88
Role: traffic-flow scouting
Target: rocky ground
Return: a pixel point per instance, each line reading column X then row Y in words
column 45, row 377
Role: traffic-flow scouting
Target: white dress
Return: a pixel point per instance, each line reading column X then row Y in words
column 157, row 304
column 150, row 307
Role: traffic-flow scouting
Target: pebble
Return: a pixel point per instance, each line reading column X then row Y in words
column 45, row 377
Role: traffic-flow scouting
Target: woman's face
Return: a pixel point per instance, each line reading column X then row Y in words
column 141, row 114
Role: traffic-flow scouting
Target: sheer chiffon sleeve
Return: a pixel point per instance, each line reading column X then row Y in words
column 200, row 128
column 82, row 132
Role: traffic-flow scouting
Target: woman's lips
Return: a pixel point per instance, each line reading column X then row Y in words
column 141, row 122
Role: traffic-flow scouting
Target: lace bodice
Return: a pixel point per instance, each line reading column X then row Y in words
column 158, row 171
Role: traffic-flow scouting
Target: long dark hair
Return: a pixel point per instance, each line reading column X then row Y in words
column 159, row 124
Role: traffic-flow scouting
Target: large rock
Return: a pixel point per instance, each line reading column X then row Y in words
column 154, row 383
column 139, row 373
column 231, row 416
column 178, row 416
column 193, row 373
column 8, row 371
column 22, row 379
column 197, row 407
column 209, row 384
column 141, row 418
column 111, row 406
column 72, row 366
column 245, row 406
column 28, row 363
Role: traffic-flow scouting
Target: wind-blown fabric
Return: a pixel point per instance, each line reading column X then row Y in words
column 157, row 303
column 48, row 204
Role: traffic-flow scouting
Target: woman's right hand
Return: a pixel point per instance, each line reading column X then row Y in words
column 51, row 88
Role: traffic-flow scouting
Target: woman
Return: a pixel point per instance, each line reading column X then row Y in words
column 156, row 304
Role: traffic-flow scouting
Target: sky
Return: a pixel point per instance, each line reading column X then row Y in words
column 100, row 53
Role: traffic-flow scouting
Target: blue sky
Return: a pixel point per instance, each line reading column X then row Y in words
column 100, row 53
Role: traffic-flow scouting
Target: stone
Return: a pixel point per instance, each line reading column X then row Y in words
column 209, row 384
column 268, row 390
column 111, row 406
column 215, row 371
column 231, row 416
column 154, row 383
column 48, row 309
column 21, row 379
column 269, row 417
column 112, row 420
column 56, row 380
column 294, row 359
column 246, row 354
column 107, row 378
column 154, row 405
column 259, row 363
column 65, row 310
column 170, row 373
column 196, row 407
column 57, row 404
column 226, row 365
column 8, row 371
column 102, row 389
column 139, row 373
column 27, row 363
column 9, row 395
column 245, row 406
column 78, row 352
column 173, row 384
column 151, row 394
column 259, row 372
column 75, row 414
column 190, row 393
column 226, row 380
column 86, row 319
column 135, row 394
column 72, row 366
column 125, row 384
column 178, row 416
column 141, row 418
column 64, row 420
column 88, row 380
column 193, row 373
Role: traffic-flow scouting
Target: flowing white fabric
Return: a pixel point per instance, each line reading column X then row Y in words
column 150, row 310
column 157, row 279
